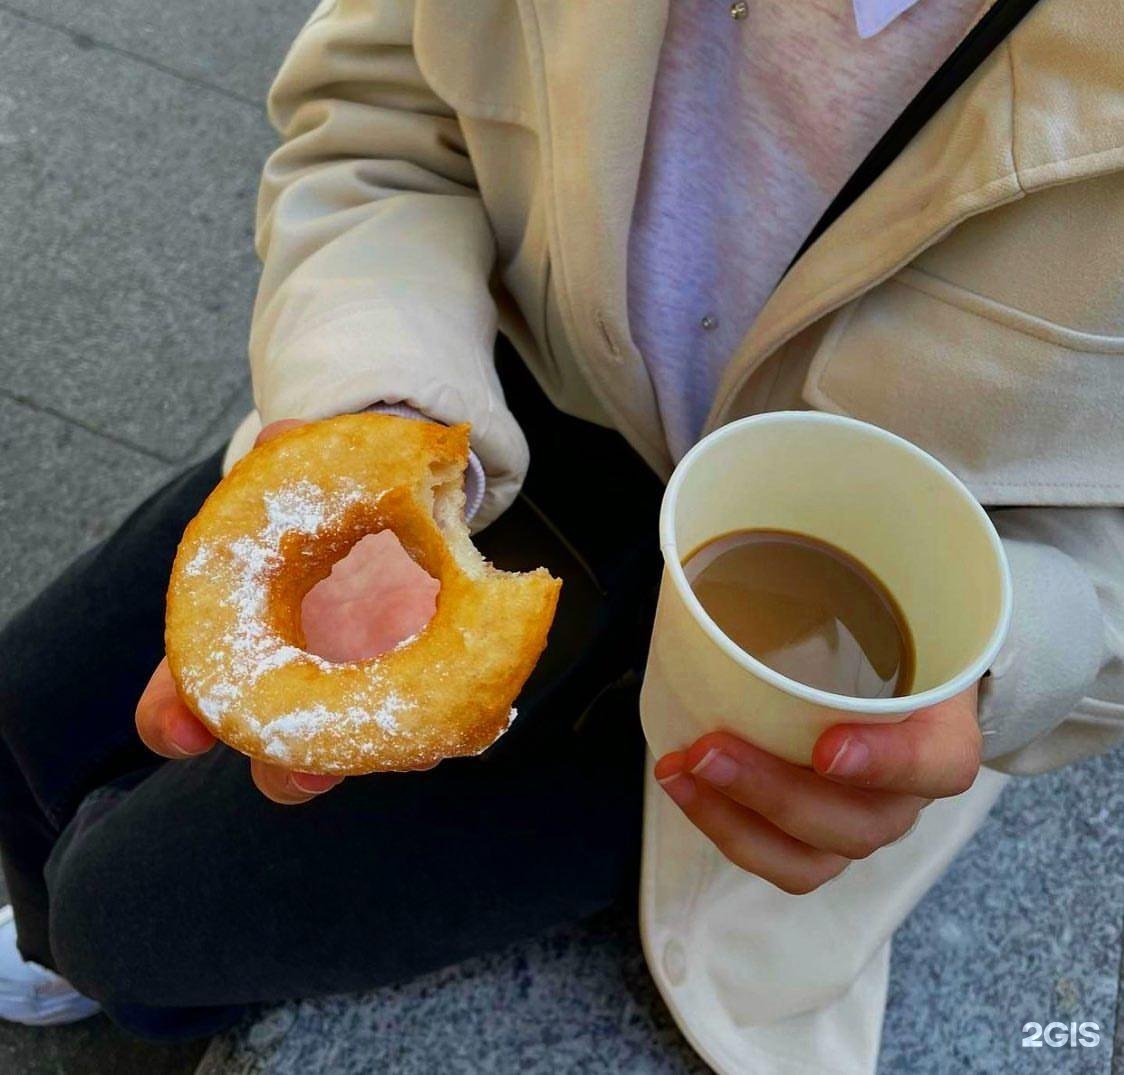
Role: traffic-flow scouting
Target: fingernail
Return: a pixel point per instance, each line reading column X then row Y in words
column 313, row 783
column 717, row 768
column 189, row 737
column 850, row 759
column 681, row 788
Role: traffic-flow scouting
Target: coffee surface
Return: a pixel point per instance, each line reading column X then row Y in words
column 807, row 610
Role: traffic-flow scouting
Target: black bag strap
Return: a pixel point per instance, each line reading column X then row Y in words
column 999, row 20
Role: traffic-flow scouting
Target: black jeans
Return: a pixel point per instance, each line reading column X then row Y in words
column 173, row 892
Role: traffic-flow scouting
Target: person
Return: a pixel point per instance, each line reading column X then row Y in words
column 674, row 214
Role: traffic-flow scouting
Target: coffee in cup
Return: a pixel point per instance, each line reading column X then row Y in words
column 807, row 609
column 840, row 490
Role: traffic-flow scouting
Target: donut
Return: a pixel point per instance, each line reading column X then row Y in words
column 273, row 528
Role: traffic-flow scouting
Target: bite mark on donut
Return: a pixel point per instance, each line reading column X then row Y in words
column 235, row 642
column 447, row 508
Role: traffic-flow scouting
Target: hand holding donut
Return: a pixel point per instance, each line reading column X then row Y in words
column 168, row 728
column 304, row 627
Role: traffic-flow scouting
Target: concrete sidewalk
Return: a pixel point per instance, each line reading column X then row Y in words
column 131, row 137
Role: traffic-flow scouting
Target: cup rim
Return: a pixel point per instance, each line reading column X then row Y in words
column 871, row 706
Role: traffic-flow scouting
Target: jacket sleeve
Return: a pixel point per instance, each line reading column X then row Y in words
column 375, row 246
column 1056, row 691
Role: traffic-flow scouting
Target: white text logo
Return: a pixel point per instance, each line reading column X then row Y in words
column 1057, row 1035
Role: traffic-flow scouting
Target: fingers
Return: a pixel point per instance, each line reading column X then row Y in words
column 934, row 753
column 275, row 429
column 745, row 838
column 286, row 787
column 168, row 728
column 165, row 725
column 852, row 822
column 751, row 842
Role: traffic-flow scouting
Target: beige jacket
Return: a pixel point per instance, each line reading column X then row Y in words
column 447, row 165
column 453, row 165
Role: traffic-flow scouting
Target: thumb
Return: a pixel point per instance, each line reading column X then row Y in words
column 275, row 429
column 933, row 753
column 165, row 725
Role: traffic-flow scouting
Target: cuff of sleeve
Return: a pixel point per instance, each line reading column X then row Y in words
column 327, row 367
column 474, row 474
column 1052, row 654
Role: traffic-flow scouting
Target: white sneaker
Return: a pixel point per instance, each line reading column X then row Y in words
column 31, row 994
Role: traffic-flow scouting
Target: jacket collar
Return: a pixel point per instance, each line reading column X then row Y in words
column 1020, row 122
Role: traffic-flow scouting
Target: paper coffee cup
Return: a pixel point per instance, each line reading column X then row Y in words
column 880, row 498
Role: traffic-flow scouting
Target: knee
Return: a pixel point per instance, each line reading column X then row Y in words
column 87, row 925
column 106, row 921
column 112, row 944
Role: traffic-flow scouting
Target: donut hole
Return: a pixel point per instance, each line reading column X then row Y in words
column 375, row 597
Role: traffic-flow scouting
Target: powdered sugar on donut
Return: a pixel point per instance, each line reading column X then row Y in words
column 249, row 648
column 198, row 563
column 284, row 734
column 242, row 604
column 300, row 508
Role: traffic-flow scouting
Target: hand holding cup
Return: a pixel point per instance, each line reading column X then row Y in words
column 789, row 780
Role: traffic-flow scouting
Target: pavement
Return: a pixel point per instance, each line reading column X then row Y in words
column 131, row 137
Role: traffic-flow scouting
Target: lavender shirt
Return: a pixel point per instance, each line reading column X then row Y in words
column 756, row 123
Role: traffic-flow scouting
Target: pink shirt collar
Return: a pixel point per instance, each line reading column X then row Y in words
column 873, row 16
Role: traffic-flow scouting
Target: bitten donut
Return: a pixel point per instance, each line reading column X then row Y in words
column 273, row 528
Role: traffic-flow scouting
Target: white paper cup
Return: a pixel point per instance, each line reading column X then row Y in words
column 868, row 492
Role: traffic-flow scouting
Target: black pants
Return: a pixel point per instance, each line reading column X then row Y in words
column 175, row 893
